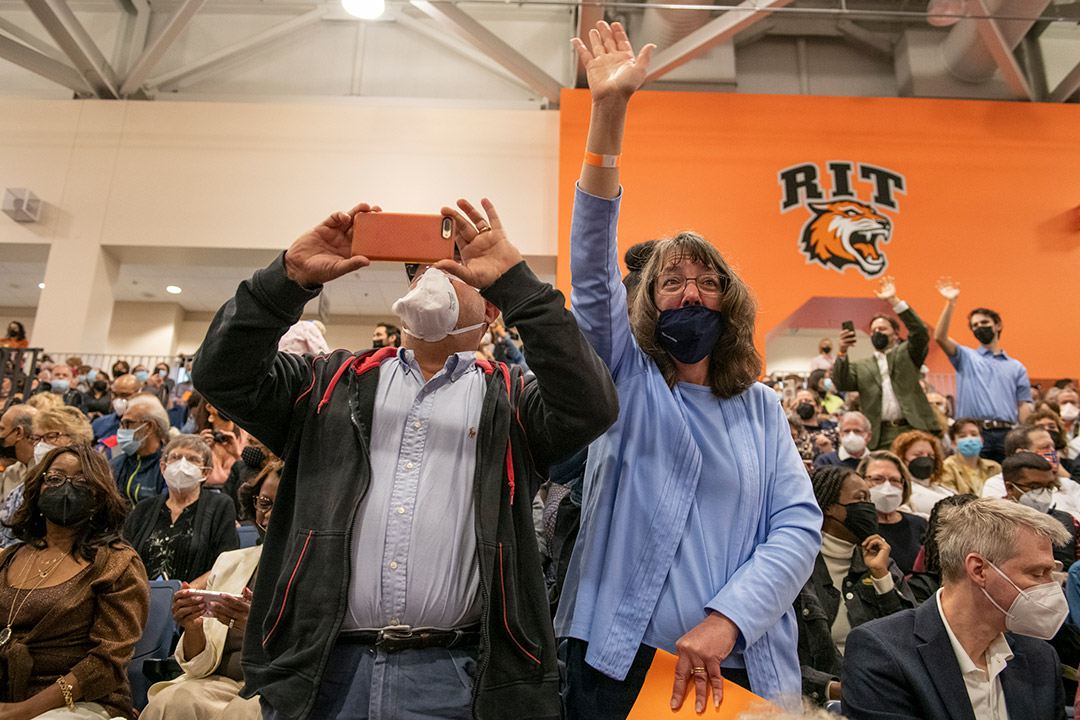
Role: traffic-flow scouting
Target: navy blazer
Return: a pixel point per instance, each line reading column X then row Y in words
column 903, row 666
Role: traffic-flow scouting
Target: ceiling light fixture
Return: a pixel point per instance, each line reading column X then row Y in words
column 174, row 289
column 364, row 9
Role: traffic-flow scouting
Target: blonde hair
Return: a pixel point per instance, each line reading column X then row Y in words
column 989, row 527
column 66, row 419
column 886, row 456
column 45, row 401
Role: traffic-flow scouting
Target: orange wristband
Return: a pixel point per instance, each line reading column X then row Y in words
column 601, row 161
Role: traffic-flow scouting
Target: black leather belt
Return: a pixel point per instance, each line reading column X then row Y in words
column 405, row 638
column 996, row 424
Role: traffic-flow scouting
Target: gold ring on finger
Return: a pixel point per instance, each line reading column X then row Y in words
column 482, row 229
column 697, row 670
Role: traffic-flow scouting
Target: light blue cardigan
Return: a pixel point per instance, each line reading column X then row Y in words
column 642, row 476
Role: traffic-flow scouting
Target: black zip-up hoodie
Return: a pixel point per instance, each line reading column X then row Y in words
column 315, row 413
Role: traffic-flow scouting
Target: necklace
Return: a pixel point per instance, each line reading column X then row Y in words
column 43, row 574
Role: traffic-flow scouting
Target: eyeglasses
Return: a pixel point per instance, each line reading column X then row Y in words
column 173, row 457
column 710, row 284
column 55, row 479
column 131, row 424
column 49, row 437
column 879, row 479
column 263, row 503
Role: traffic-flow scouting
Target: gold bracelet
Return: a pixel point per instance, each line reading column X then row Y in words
column 65, row 690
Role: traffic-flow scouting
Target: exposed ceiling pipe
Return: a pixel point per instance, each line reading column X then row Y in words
column 965, row 54
column 667, row 25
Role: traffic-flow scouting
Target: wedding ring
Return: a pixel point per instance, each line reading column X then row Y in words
column 482, row 229
column 697, row 671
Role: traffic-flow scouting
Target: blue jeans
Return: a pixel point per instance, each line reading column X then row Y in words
column 362, row 682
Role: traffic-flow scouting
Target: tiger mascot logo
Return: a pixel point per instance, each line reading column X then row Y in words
column 846, row 232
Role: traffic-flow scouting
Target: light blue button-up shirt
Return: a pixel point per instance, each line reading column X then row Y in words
column 414, row 537
column 692, row 503
column 989, row 386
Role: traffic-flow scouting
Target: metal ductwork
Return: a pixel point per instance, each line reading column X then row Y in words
column 666, row 25
column 964, row 52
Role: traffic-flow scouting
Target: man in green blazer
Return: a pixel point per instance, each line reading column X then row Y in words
column 888, row 381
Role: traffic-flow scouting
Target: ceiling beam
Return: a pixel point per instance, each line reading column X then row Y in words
column 712, row 33
column 32, row 41
column 157, row 47
column 590, row 12
column 1067, row 87
column 1002, row 53
column 461, row 23
column 215, row 60
column 43, row 65
column 72, row 38
column 132, row 34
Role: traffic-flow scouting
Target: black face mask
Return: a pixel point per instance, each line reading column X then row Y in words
column 13, row 332
column 66, row 505
column 984, row 334
column 378, row 344
column 805, row 411
column 7, row 452
column 921, row 468
column 253, row 457
column 690, row 333
column 100, row 386
column 880, row 341
column 826, row 350
column 861, row 519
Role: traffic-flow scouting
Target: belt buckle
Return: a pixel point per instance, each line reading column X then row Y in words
column 394, row 637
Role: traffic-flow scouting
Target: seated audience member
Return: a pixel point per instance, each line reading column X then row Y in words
column 124, row 388
column 970, row 652
column 16, row 336
column 854, row 577
column 925, row 579
column 45, row 401
column 504, row 349
column 77, row 592
column 1029, row 438
column 82, row 372
column 97, row 400
column 855, row 433
column 62, row 385
column 61, row 427
column 141, row 374
column 253, row 459
column 224, row 437
column 822, row 431
column 16, row 445
column 1068, row 401
column 1047, row 419
column 179, row 535
column 303, row 338
column 1029, row 480
column 213, row 631
column 157, row 387
column 967, row 471
column 143, row 431
column 386, row 335
column 801, row 438
column 921, row 453
column 820, row 382
column 120, row 367
column 890, row 488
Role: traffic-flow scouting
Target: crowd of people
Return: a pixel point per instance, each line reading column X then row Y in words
column 505, row 508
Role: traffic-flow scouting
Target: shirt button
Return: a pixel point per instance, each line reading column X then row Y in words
column 409, row 466
column 806, row 611
column 850, row 596
column 393, row 566
column 416, row 425
column 401, row 511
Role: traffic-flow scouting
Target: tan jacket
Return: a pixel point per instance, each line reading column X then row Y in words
column 956, row 475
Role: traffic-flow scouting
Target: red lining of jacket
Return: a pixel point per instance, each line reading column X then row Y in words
column 288, row 587
column 502, row 586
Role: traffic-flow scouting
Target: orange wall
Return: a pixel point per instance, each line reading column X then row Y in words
column 991, row 189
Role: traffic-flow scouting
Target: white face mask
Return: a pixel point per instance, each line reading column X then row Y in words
column 854, row 443
column 120, row 406
column 430, row 310
column 41, row 450
column 1039, row 500
column 1069, row 411
column 886, row 497
column 1037, row 612
column 182, row 475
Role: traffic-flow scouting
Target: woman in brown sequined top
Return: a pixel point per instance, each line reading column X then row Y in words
column 73, row 595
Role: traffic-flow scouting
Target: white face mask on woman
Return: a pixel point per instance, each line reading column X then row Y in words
column 182, row 475
column 886, row 497
column 41, row 450
column 430, row 310
column 1037, row 612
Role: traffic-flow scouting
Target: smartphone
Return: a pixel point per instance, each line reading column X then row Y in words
column 848, row 325
column 208, row 594
column 402, row 237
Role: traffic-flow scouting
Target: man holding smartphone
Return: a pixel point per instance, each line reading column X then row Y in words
column 888, row 382
column 402, row 573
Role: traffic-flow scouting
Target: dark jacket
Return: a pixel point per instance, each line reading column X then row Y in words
column 316, row 414
column 861, row 601
column 138, row 477
column 820, row 660
column 903, row 668
column 905, row 361
column 833, row 458
column 213, row 532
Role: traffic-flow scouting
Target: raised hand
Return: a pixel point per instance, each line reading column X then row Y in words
column 949, row 288
column 876, row 555
column 324, row 253
column 612, row 68
column 887, row 289
column 486, row 253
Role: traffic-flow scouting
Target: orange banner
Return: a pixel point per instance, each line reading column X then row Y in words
column 817, row 196
column 654, row 700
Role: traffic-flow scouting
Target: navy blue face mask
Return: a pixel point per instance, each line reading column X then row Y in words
column 690, row 333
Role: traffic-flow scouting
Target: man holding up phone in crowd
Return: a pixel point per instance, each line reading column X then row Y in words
column 888, row 381
column 402, row 571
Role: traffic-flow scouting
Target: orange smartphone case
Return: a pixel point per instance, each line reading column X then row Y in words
column 403, row 237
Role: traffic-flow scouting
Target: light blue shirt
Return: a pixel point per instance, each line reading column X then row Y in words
column 692, row 503
column 988, row 386
column 414, row 537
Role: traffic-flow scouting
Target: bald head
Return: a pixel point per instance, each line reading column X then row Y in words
column 16, row 426
column 126, row 386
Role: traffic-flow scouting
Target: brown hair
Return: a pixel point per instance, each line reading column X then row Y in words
column 734, row 363
column 104, row 525
column 246, row 493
